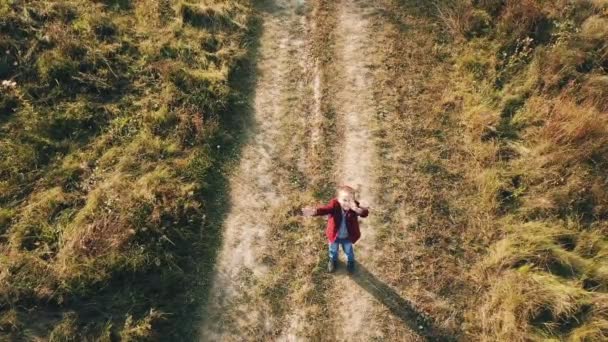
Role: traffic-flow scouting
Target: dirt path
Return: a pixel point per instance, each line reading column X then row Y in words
column 233, row 311
column 295, row 101
column 354, row 105
column 365, row 301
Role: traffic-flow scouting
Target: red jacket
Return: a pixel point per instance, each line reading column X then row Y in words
column 334, row 210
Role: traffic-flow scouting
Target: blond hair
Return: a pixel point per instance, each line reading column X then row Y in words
column 346, row 189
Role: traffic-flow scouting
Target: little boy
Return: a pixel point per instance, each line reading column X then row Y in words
column 342, row 225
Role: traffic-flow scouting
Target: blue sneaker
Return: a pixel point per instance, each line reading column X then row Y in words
column 331, row 266
column 350, row 267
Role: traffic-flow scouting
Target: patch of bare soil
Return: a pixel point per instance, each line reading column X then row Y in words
column 354, row 105
column 232, row 312
column 365, row 301
column 358, row 305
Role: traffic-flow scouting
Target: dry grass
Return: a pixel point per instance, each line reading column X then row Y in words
column 523, row 302
column 537, row 131
column 594, row 91
column 462, row 20
column 519, row 18
column 424, row 218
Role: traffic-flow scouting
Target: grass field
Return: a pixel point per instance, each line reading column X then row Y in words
column 492, row 143
column 538, row 128
column 112, row 139
column 122, row 124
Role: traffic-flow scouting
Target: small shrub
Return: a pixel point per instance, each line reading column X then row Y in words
column 462, row 20
column 514, row 57
column 595, row 91
column 595, row 29
column 479, row 23
column 54, row 66
column 205, row 17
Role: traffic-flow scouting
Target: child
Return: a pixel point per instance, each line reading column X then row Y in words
column 341, row 231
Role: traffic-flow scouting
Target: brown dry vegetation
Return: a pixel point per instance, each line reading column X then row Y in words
column 530, row 98
column 425, row 223
column 492, row 130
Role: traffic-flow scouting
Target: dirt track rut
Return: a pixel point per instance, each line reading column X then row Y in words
column 253, row 189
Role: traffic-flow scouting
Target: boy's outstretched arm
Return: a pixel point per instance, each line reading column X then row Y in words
column 318, row 211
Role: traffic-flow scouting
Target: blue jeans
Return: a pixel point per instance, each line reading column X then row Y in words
column 347, row 247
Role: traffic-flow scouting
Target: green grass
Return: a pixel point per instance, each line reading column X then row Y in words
column 107, row 159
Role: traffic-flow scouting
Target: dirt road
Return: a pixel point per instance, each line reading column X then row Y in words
column 343, row 87
column 231, row 313
column 354, row 104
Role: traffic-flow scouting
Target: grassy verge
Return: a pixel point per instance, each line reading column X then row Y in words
column 536, row 125
column 504, row 178
column 426, row 227
column 112, row 136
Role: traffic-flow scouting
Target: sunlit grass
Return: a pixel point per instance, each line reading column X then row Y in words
column 108, row 108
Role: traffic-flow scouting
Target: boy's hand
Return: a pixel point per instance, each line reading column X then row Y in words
column 309, row 211
column 354, row 207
